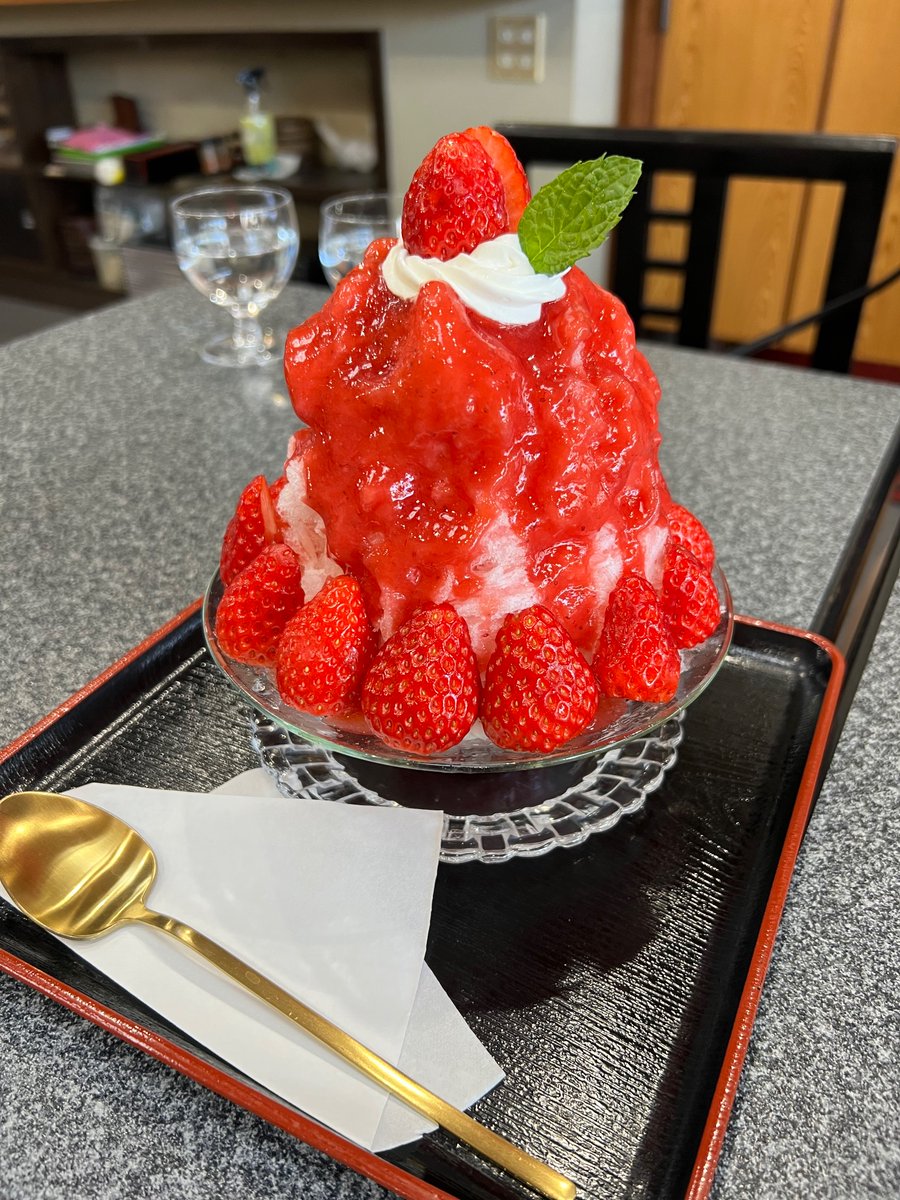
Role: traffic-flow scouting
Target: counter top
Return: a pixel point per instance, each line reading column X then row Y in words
column 123, row 455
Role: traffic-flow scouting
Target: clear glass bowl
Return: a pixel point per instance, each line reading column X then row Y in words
column 497, row 804
column 617, row 721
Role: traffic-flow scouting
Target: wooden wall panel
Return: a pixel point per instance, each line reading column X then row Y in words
column 730, row 64
column 818, row 226
column 863, row 97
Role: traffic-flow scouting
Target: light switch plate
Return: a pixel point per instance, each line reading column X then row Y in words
column 517, row 48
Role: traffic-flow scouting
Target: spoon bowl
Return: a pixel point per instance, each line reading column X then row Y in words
column 80, row 872
column 73, row 868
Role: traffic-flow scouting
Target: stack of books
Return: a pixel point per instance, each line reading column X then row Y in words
column 79, row 153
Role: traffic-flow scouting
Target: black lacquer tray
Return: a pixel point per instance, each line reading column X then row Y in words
column 615, row 983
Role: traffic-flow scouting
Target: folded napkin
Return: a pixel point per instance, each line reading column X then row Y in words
column 439, row 1050
column 333, row 903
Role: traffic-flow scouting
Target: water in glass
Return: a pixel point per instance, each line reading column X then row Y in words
column 242, row 268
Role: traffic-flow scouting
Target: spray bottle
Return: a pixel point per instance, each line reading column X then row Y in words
column 257, row 127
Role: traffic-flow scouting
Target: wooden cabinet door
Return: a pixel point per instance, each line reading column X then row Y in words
column 18, row 238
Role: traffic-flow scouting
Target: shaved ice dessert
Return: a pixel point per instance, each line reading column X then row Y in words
column 472, row 524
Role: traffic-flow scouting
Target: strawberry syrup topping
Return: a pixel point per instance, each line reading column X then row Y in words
column 491, row 466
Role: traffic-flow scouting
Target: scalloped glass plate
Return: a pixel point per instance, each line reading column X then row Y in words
column 524, row 804
column 617, row 721
column 491, row 817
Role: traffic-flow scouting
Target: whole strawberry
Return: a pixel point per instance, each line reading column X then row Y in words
column 325, row 650
column 421, row 692
column 456, row 200
column 636, row 658
column 687, row 531
column 688, row 597
column 253, row 527
column 538, row 690
column 257, row 605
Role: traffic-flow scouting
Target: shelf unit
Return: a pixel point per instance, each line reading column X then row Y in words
column 34, row 205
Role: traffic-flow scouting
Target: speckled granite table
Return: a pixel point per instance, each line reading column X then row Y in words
column 121, row 457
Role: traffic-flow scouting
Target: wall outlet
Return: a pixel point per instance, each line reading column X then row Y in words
column 517, row 48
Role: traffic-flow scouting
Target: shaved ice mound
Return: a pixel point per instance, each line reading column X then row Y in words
column 474, row 522
column 451, row 458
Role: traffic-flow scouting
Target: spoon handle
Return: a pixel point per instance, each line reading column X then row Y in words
column 517, row 1162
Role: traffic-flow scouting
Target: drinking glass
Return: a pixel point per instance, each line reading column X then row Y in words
column 347, row 224
column 238, row 246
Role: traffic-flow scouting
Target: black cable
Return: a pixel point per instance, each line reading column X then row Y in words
column 860, row 293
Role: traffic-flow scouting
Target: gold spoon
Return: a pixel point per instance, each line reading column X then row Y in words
column 81, row 872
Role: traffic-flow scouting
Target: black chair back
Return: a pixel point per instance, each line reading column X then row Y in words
column 861, row 164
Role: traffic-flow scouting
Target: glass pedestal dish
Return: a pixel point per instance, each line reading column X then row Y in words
column 497, row 804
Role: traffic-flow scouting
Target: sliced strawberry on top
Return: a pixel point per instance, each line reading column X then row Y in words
column 257, row 605
column 539, row 691
column 636, row 657
column 456, row 200
column 325, row 650
column 515, row 181
column 688, row 597
column 421, row 691
column 689, row 532
column 253, row 527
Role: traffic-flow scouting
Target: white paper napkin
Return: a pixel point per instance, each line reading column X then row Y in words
column 439, row 1050
column 332, row 903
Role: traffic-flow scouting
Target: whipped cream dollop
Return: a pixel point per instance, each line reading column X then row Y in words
column 496, row 279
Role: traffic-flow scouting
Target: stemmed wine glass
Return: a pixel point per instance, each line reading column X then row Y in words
column 238, row 246
column 347, row 224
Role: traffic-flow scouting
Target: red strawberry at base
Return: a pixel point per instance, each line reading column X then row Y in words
column 257, row 605
column 688, row 597
column 253, row 527
column 325, row 650
column 636, row 657
column 456, row 200
column 685, row 529
column 510, row 170
column 539, row 691
column 421, row 692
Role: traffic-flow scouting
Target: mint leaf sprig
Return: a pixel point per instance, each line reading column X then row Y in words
column 574, row 213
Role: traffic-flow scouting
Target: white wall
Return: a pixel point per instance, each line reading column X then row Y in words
column 596, row 61
column 436, row 55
